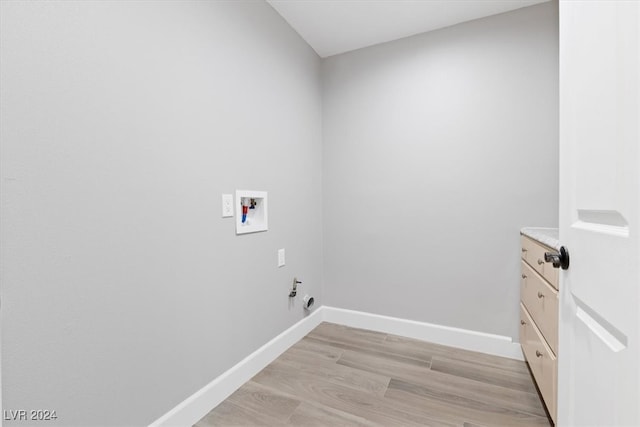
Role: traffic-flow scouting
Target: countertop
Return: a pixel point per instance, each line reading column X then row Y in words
column 546, row 236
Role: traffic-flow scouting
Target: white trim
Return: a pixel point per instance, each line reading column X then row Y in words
column 196, row 406
column 191, row 410
column 496, row 345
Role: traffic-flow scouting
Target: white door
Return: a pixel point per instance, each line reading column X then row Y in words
column 599, row 353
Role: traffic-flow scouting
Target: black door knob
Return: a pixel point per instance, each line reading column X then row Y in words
column 559, row 259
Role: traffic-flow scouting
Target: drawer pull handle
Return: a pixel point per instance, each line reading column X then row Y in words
column 538, row 354
column 524, row 276
column 540, row 262
column 523, row 250
column 540, row 295
column 522, row 322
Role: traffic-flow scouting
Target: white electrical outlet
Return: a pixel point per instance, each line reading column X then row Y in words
column 280, row 257
column 227, row 205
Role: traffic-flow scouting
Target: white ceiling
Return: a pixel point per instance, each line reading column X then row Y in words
column 337, row 26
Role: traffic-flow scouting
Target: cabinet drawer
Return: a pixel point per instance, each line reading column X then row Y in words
column 533, row 254
column 541, row 359
column 541, row 301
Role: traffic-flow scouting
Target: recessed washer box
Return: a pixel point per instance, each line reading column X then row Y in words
column 251, row 211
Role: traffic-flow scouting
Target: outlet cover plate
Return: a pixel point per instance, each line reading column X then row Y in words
column 227, row 205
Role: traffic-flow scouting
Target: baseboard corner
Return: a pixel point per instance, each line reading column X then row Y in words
column 196, row 406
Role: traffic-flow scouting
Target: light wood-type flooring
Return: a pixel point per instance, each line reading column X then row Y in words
column 341, row 376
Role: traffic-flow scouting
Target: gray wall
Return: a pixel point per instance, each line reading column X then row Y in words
column 123, row 290
column 437, row 149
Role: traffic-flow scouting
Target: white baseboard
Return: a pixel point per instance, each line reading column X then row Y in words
column 200, row 403
column 496, row 345
column 191, row 410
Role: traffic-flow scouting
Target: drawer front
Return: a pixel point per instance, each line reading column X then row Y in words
column 533, row 254
column 541, row 301
column 541, row 359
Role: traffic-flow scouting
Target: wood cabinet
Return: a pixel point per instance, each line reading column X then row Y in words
column 539, row 319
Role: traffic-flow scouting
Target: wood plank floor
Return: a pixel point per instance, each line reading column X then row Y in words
column 339, row 376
